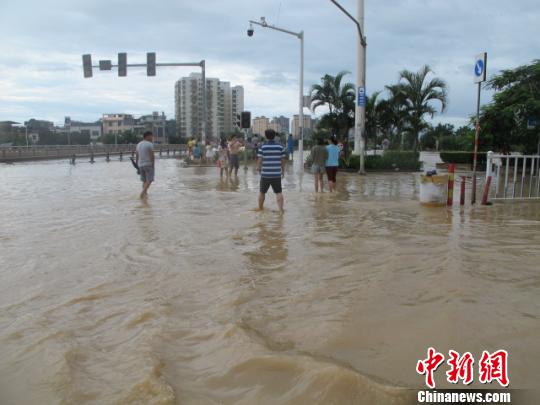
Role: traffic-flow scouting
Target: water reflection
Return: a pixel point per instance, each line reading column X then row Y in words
column 270, row 252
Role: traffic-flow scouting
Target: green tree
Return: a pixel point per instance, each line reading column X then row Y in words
column 393, row 116
column 419, row 93
column 516, row 101
column 375, row 115
column 442, row 133
column 339, row 98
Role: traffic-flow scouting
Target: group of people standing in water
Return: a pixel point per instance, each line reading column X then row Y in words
column 271, row 159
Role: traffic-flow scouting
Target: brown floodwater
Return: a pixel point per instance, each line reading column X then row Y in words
column 192, row 297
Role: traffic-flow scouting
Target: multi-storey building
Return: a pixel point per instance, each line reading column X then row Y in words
column 259, row 125
column 117, row 123
column 223, row 104
column 280, row 124
column 308, row 126
column 237, row 99
column 154, row 122
column 93, row 129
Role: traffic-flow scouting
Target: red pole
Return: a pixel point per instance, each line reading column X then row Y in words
column 486, row 191
column 462, row 191
column 451, row 169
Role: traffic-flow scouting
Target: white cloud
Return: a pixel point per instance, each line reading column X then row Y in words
column 41, row 75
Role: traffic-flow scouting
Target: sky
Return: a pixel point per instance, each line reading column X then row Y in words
column 42, row 42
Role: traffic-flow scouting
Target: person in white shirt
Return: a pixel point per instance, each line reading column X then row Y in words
column 145, row 161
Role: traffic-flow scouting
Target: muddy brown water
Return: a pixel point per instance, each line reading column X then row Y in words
column 193, row 298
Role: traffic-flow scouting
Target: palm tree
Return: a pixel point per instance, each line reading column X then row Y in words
column 375, row 109
column 394, row 114
column 339, row 98
column 419, row 95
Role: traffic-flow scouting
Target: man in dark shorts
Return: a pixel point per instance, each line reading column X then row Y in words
column 271, row 165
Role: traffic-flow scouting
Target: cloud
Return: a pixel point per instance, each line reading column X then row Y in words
column 42, row 43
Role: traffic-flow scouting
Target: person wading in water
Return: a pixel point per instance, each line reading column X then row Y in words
column 145, row 160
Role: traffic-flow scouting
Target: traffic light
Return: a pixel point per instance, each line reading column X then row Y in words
column 122, row 64
column 87, row 65
column 105, row 65
column 151, row 64
column 246, row 119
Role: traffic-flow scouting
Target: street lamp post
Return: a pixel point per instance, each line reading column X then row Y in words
column 300, row 36
column 360, row 111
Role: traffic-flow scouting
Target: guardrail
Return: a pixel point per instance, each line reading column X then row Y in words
column 514, row 177
column 15, row 153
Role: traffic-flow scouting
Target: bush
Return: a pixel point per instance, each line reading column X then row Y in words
column 463, row 157
column 390, row 160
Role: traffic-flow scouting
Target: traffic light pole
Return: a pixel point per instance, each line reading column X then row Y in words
column 107, row 65
column 360, row 112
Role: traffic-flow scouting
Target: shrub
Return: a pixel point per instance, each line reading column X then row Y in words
column 390, row 160
column 463, row 157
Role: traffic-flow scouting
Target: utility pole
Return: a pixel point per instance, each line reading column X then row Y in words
column 361, row 97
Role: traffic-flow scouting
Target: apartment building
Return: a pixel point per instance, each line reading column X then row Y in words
column 223, row 104
column 259, row 125
column 308, row 126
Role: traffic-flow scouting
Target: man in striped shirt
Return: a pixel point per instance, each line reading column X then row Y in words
column 271, row 165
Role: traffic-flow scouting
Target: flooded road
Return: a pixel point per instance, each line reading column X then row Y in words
column 194, row 298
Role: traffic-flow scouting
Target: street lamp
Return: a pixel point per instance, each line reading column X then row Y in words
column 361, row 97
column 300, row 36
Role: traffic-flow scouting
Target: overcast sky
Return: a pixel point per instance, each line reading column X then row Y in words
column 42, row 42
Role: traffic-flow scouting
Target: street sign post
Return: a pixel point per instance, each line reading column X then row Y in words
column 480, row 70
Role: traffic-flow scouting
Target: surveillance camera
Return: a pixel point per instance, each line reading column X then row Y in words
column 250, row 31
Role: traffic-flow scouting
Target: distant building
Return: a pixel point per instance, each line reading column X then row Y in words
column 93, row 129
column 117, row 123
column 237, row 105
column 308, row 126
column 280, row 124
column 223, row 104
column 259, row 125
column 155, row 123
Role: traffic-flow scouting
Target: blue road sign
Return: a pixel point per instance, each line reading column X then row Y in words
column 480, row 68
column 361, row 100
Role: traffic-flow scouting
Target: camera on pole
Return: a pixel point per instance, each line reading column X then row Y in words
column 151, row 64
column 87, row 65
column 122, row 64
column 246, row 119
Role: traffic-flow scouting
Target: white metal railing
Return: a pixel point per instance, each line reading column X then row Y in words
column 514, row 177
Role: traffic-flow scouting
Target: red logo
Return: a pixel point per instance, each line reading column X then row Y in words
column 492, row 367
column 429, row 366
column 461, row 368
